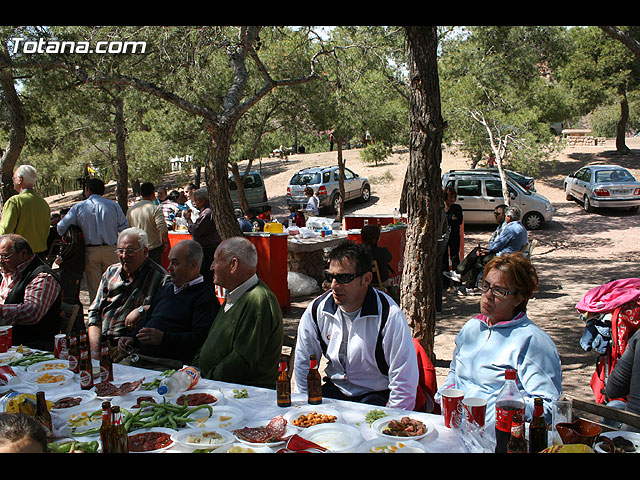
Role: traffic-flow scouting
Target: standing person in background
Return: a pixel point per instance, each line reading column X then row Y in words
column 188, row 190
column 313, row 203
column 204, row 231
column 148, row 217
column 101, row 221
column 70, row 261
column 454, row 219
column 27, row 213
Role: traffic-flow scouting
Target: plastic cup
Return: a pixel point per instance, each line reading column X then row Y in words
column 475, row 410
column 452, row 406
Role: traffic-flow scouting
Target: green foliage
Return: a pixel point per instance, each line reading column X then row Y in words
column 376, row 152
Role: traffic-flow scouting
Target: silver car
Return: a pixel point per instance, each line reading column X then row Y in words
column 480, row 191
column 603, row 186
column 324, row 180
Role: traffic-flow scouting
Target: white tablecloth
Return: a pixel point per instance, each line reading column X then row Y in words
column 260, row 404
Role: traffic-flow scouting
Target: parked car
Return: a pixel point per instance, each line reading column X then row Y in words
column 480, row 191
column 254, row 191
column 325, row 180
column 608, row 186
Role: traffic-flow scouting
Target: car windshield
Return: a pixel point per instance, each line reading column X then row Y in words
column 252, row 181
column 306, row 178
column 614, row 176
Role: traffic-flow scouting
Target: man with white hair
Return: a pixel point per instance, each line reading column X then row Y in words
column 245, row 341
column 27, row 213
column 511, row 237
column 125, row 286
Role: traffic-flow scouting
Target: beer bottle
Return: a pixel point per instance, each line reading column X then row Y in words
column 517, row 442
column 105, row 428
column 42, row 415
column 74, row 351
column 314, row 383
column 85, row 368
column 538, row 428
column 283, row 385
column 106, row 362
column 119, row 437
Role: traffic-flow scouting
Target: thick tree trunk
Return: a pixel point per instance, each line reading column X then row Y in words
column 422, row 193
column 17, row 136
column 217, row 180
column 341, row 165
column 621, row 127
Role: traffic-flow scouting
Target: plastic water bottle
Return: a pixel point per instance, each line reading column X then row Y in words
column 182, row 380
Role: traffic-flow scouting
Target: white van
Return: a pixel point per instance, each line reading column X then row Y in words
column 479, row 192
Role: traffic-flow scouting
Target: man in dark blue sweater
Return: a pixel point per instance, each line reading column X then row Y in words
column 176, row 323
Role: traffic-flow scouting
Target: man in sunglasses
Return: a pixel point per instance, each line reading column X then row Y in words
column 363, row 335
column 509, row 237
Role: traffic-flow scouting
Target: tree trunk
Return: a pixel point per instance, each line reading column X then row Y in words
column 17, row 135
column 122, row 187
column 341, row 164
column 217, row 180
column 621, row 127
column 422, row 194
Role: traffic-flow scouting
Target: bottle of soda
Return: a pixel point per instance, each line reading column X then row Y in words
column 517, row 442
column 538, row 428
column 283, row 386
column 85, row 368
column 74, row 351
column 119, row 437
column 105, row 428
column 184, row 379
column 106, row 363
column 509, row 402
column 42, row 415
column 314, row 382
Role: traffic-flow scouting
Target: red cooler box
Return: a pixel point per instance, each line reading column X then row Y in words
column 394, row 238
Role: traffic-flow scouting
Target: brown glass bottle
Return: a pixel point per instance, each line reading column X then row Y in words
column 517, row 443
column 42, row 415
column 283, row 385
column 74, row 352
column 85, row 368
column 105, row 428
column 119, row 437
column 106, row 362
column 538, row 428
column 314, row 382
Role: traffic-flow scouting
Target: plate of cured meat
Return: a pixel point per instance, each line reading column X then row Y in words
column 199, row 396
column 108, row 390
column 271, row 433
column 403, row 427
column 64, row 401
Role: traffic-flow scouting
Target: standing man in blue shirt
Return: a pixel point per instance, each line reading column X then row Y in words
column 101, row 220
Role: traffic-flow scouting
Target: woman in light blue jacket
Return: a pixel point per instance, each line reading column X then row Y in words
column 501, row 337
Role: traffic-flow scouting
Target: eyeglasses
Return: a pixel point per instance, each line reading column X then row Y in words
column 497, row 214
column 341, row 278
column 498, row 292
column 127, row 251
column 7, row 257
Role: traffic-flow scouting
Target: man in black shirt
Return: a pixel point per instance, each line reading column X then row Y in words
column 176, row 323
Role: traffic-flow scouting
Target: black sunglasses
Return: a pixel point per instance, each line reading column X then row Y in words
column 342, row 278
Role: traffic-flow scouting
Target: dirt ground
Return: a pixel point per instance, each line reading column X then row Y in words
column 576, row 251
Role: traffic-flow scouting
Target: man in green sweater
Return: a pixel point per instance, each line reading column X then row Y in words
column 245, row 341
column 27, row 213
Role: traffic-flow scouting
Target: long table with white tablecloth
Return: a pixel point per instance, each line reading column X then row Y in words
column 240, row 406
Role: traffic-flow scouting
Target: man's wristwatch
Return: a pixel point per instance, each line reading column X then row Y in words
column 141, row 310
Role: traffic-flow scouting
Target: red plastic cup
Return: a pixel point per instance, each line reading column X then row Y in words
column 452, row 406
column 5, row 339
column 475, row 410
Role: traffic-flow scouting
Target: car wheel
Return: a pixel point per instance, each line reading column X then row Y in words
column 366, row 194
column 335, row 203
column 533, row 221
column 587, row 205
